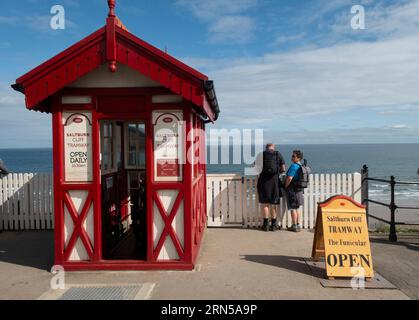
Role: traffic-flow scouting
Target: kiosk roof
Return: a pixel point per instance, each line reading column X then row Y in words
column 114, row 44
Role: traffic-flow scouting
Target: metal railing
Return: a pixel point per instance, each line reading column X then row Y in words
column 392, row 205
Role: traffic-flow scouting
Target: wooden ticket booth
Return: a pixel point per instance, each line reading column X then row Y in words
column 128, row 126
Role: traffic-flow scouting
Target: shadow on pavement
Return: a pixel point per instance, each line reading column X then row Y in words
column 295, row 264
column 410, row 242
column 28, row 248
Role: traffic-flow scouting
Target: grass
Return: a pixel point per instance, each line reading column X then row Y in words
column 385, row 228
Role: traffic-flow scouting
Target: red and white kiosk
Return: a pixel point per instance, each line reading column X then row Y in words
column 128, row 142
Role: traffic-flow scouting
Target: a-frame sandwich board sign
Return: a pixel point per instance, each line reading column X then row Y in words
column 342, row 238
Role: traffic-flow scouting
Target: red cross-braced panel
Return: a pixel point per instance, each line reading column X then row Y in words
column 78, row 225
column 168, row 225
column 199, row 213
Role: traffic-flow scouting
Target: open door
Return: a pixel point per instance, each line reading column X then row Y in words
column 123, row 191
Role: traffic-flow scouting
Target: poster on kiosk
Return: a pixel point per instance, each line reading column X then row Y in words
column 78, row 146
column 168, row 146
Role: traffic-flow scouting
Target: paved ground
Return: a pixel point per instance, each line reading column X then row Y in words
column 234, row 264
column 399, row 262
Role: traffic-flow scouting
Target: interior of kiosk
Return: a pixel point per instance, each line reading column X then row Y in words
column 123, row 191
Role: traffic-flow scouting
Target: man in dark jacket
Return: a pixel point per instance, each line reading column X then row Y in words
column 269, row 190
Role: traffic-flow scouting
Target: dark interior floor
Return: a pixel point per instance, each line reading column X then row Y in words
column 128, row 249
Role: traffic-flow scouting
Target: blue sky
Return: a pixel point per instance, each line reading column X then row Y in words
column 294, row 68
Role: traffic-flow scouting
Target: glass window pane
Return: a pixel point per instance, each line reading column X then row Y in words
column 136, row 145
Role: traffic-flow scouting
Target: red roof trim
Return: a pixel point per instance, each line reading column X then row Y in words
column 161, row 54
column 91, row 52
column 65, row 55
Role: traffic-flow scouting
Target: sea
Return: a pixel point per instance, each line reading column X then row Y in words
column 383, row 161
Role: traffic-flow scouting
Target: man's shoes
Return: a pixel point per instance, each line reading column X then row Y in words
column 265, row 227
column 293, row 228
column 275, row 228
column 298, row 228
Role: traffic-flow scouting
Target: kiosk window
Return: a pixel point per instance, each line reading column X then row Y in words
column 107, row 146
column 135, row 146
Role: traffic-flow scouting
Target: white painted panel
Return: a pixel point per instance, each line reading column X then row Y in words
column 48, row 201
column 21, row 202
column 36, row 200
column 224, row 200
column 344, row 184
column 338, row 184
column 15, row 202
column 311, row 203
column 306, row 219
column 216, row 220
column 125, row 77
column 31, row 200
column 231, row 205
column 357, row 187
column 210, row 206
column 322, row 188
column 168, row 251
column 79, row 198
column 349, row 191
column 158, row 225
column 41, row 207
column 333, row 184
column 5, row 209
column 167, row 99
column 244, row 204
column 76, row 100
column 89, row 225
column 179, row 225
column 168, row 199
column 79, row 252
column 68, row 226
column 328, row 187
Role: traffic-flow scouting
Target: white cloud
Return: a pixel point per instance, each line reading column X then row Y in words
column 40, row 23
column 354, row 135
column 399, row 126
column 289, row 38
column 226, row 20
column 325, row 81
column 232, row 28
column 210, row 10
column 382, row 20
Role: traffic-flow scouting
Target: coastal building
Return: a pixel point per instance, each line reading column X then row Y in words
column 124, row 116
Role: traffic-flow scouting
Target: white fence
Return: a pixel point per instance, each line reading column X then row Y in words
column 26, row 202
column 232, row 200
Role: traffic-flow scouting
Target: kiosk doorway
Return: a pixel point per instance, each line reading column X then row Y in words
column 123, row 190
